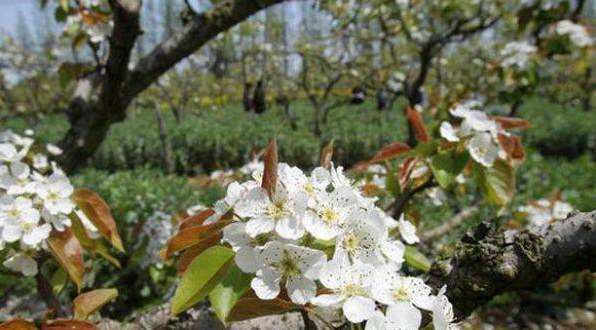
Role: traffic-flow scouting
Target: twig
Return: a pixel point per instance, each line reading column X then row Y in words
column 402, row 200
column 45, row 291
column 452, row 223
column 308, row 323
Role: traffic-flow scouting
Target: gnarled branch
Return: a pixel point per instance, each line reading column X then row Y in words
column 489, row 261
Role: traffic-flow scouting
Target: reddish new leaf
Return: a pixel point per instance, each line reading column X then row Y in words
column 512, row 146
column 68, row 325
column 251, row 307
column 197, row 219
column 98, row 212
column 270, row 171
column 194, row 235
column 390, row 151
column 18, row 324
column 508, row 122
column 67, row 250
column 418, row 125
column 406, row 170
column 89, row 302
column 327, row 155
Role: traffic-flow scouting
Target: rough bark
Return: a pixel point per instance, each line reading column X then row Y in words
column 489, row 261
column 101, row 99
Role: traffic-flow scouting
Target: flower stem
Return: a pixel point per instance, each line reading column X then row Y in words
column 44, row 289
column 308, row 323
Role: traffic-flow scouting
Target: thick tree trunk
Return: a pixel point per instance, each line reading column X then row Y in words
column 103, row 99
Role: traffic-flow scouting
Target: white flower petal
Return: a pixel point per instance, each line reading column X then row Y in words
column 261, row 225
column 246, row 259
column 327, row 300
column 300, row 289
column 289, row 228
column 404, row 315
column 376, row 322
column 407, row 231
column 448, row 132
column 358, row 309
column 266, row 284
column 394, row 250
column 37, row 235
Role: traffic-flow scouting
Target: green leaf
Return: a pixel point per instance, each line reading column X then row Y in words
column 58, row 280
column 202, row 275
column 68, row 72
column 447, row 166
column 225, row 294
column 60, row 15
column 416, row 259
column 497, row 183
column 392, row 183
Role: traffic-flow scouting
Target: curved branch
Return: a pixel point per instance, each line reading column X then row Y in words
column 101, row 98
column 447, row 226
column 200, row 29
column 488, row 261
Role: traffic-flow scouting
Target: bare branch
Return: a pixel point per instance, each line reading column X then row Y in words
column 124, row 35
column 447, row 226
column 197, row 32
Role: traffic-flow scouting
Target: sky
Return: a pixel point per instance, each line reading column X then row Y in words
column 10, row 9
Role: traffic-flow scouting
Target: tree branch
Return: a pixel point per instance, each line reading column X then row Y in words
column 202, row 28
column 447, row 226
column 489, row 261
column 124, row 35
column 101, row 98
column 402, row 200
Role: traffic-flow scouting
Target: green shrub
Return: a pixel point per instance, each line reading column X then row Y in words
column 137, row 194
column 576, row 179
column 227, row 137
column 560, row 131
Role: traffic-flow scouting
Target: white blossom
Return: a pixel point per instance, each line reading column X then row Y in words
column 407, row 231
column 325, row 219
column 283, row 212
column 350, row 286
column 403, row 295
column 482, row 149
column 360, row 240
column 442, row 311
column 55, row 194
column 298, row 266
column 517, row 54
column 576, row 32
column 544, row 211
column 20, row 262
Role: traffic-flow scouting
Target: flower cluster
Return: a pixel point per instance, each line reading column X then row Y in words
column 479, row 133
column 319, row 240
column 92, row 18
column 544, row 211
column 576, row 33
column 517, row 54
column 34, row 200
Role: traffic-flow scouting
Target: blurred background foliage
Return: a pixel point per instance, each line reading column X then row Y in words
column 195, row 113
